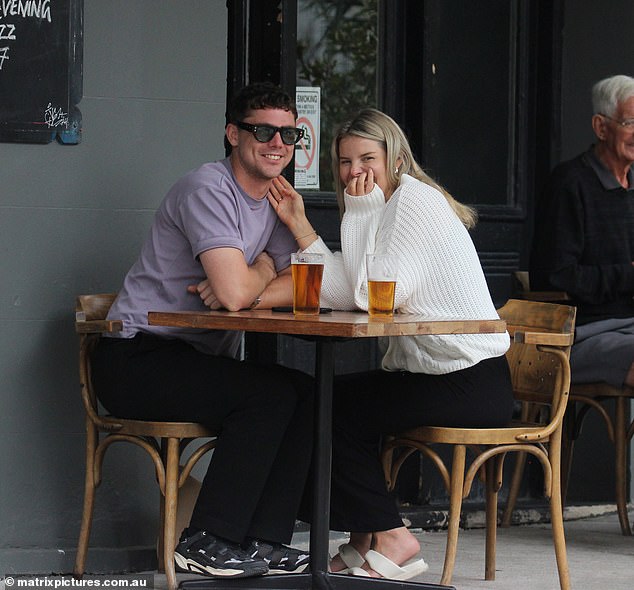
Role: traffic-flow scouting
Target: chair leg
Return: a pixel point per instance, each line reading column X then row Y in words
column 514, row 489
column 568, row 437
column 529, row 413
column 160, row 546
column 89, row 502
column 455, row 505
column 491, row 518
column 557, row 520
column 620, row 444
column 171, row 505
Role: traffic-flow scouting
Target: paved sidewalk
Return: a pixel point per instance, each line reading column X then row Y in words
column 599, row 557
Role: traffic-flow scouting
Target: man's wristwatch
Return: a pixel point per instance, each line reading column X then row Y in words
column 256, row 302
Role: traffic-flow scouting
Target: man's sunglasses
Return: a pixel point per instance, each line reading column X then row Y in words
column 264, row 133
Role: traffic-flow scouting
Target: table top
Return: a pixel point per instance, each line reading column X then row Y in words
column 344, row 324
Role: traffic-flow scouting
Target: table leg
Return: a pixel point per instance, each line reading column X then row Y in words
column 320, row 525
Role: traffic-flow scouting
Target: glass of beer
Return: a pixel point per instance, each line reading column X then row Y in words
column 382, row 271
column 308, row 270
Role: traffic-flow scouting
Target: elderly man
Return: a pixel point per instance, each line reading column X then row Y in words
column 584, row 239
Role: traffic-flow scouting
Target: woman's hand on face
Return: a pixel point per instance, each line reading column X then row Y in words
column 362, row 184
column 287, row 202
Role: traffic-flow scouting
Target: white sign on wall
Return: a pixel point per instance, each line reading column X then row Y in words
column 308, row 100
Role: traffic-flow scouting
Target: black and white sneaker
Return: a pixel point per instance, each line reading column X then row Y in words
column 202, row 553
column 280, row 558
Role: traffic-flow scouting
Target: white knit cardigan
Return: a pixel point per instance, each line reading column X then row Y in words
column 439, row 274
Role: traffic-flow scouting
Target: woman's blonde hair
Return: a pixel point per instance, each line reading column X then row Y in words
column 377, row 126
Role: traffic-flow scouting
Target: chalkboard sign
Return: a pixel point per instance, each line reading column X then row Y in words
column 41, row 55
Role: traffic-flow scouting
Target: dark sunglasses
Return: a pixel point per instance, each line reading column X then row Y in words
column 264, row 133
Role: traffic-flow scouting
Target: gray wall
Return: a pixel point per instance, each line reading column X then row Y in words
column 72, row 219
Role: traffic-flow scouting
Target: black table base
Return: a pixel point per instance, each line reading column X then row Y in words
column 319, row 578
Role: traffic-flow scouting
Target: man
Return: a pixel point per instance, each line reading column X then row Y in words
column 584, row 239
column 216, row 227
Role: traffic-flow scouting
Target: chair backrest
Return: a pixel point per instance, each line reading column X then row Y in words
column 542, row 335
column 535, row 317
column 90, row 323
column 91, row 309
column 523, row 285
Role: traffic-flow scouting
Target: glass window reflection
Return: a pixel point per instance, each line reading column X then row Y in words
column 337, row 51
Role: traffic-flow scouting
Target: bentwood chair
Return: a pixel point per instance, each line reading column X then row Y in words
column 163, row 441
column 583, row 398
column 542, row 334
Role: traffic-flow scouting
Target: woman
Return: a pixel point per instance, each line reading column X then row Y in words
column 389, row 204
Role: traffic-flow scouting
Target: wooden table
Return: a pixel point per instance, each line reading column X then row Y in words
column 325, row 330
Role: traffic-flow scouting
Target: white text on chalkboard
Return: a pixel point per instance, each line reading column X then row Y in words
column 39, row 9
column 54, row 117
column 26, row 9
column 7, row 32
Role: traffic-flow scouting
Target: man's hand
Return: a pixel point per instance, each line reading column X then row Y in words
column 266, row 264
column 206, row 294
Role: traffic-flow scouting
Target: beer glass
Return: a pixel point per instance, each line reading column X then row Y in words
column 308, row 270
column 382, row 270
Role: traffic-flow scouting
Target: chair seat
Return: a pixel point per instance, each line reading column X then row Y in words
column 157, row 429
column 514, row 434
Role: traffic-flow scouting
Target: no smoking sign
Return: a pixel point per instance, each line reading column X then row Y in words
column 307, row 149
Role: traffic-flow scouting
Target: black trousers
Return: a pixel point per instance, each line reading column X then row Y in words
column 369, row 405
column 256, row 477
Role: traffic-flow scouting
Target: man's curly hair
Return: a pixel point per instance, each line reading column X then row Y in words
column 259, row 95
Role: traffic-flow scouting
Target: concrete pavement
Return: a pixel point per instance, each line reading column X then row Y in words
column 599, row 557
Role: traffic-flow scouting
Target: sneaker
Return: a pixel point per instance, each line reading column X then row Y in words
column 202, row 553
column 280, row 558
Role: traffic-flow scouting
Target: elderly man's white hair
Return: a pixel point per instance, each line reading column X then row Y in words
column 607, row 93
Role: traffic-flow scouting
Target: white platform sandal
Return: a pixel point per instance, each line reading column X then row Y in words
column 388, row 569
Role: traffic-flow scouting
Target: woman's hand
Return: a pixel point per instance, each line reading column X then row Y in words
column 362, row 184
column 288, row 204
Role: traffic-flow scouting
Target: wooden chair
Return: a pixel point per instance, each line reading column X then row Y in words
column 163, row 441
column 522, row 281
column 542, row 335
column 583, row 398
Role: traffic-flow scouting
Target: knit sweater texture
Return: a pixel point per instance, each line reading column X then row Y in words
column 439, row 275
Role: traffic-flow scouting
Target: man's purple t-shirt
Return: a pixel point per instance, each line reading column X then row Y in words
column 205, row 209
